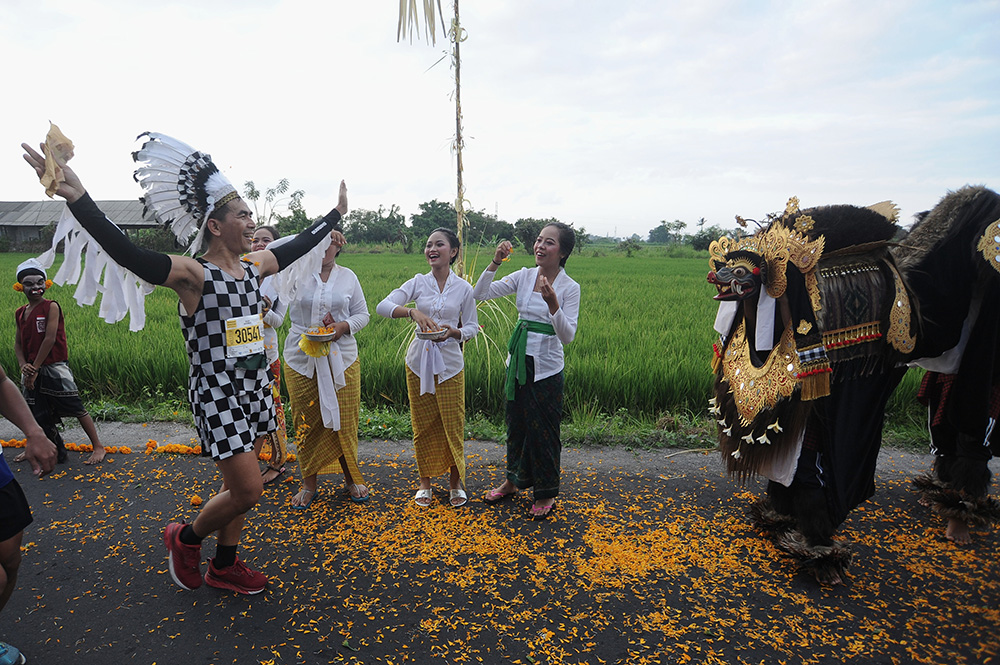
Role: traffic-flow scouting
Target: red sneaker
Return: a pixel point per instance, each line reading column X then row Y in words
column 185, row 560
column 236, row 577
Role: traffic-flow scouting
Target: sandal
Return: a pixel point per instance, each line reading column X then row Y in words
column 11, row 656
column 423, row 494
column 359, row 498
column 280, row 472
column 539, row 513
column 312, row 496
column 458, row 494
column 493, row 497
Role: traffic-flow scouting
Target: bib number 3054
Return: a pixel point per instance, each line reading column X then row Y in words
column 244, row 336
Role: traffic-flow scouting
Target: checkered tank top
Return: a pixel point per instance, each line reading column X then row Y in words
column 223, row 297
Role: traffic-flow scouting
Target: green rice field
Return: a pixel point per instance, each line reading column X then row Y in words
column 643, row 345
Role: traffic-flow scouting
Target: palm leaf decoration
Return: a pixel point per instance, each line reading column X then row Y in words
column 409, row 19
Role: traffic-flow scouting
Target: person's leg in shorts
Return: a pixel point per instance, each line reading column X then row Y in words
column 225, row 514
column 58, row 386
column 15, row 515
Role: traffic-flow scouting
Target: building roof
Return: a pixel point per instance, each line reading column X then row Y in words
column 126, row 214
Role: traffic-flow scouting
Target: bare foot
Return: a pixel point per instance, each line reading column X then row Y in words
column 20, row 458
column 97, row 456
column 924, row 501
column 958, row 531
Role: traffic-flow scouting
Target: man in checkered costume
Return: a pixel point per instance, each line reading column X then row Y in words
column 220, row 317
column 231, row 404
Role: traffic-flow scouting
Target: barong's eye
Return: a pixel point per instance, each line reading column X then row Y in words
column 741, row 269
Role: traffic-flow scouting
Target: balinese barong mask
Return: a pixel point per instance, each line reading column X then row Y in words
column 738, row 276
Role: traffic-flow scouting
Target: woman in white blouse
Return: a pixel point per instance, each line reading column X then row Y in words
column 325, row 388
column 273, row 314
column 435, row 368
column 548, row 305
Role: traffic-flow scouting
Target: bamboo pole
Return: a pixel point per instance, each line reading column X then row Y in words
column 457, row 37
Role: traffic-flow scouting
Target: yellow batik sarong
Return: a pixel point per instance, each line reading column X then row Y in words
column 319, row 448
column 438, row 425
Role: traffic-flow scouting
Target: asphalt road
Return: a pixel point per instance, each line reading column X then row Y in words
column 649, row 558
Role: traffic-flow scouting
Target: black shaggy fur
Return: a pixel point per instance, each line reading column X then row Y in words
column 948, row 275
column 942, row 266
column 847, row 226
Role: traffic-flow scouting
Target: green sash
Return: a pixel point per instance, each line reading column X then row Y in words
column 517, row 372
column 253, row 361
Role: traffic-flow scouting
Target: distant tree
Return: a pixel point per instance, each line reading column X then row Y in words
column 667, row 233
column 275, row 200
column 582, row 238
column 659, row 235
column 486, row 229
column 433, row 214
column 482, row 227
column 378, row 227
column 704, row 237
column 527, row 229
column 296, row 221
column 633, row 244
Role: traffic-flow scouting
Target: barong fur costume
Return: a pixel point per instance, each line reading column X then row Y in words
column 814, row 319
column 951, row 260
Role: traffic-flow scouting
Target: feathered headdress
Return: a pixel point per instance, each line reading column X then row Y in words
column 182, row 186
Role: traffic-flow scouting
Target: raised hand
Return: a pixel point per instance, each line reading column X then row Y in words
column 548, row 293
column 504, row 250
column 71, row 189
column 342, row 199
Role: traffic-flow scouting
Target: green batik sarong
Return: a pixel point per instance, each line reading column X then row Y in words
column 517, row 348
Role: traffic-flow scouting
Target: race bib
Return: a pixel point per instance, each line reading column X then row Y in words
column 244, row 336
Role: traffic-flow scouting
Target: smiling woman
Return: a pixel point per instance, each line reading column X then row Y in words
column 548, row 307
column 324, row 379
column 445, row 313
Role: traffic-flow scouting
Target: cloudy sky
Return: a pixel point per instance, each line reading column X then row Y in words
column 609, row 115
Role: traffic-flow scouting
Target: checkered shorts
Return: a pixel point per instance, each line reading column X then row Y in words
column 232, row 407
column 231, row 410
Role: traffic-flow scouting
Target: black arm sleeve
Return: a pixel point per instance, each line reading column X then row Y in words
column 151, row 266
column 303, row 242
